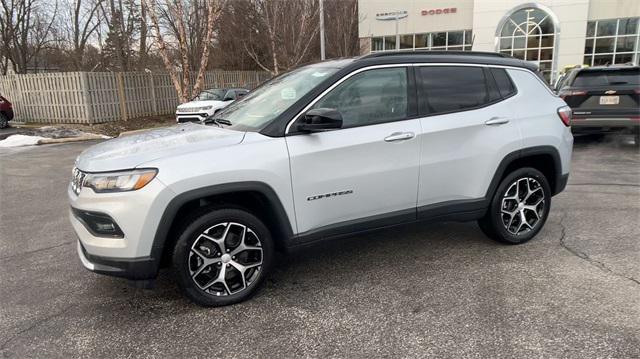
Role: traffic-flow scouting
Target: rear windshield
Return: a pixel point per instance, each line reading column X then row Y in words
column 607, row 78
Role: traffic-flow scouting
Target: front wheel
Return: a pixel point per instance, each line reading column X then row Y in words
column 222, row 256
column 519, row 207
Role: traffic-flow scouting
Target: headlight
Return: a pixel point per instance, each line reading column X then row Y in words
column 120, row 181
column 205, row 108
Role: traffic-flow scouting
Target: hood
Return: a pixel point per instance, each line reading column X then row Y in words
column 133, row 150
column 193, row 104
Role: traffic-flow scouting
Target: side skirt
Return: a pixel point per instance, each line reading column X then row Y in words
column 454, row 211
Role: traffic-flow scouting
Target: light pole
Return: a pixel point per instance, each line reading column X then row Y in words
column 397, row 32
column 322, row 55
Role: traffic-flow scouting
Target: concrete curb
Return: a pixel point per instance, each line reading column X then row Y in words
column 48, row 141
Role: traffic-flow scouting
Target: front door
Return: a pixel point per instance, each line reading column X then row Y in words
column 365, row 174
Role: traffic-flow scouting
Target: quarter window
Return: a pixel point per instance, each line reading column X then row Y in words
column 505, row 86
column 452, row 88
column 370, row 97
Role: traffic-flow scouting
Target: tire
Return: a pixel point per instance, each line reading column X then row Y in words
column 4, row 121
column 207, row 262
column 505, row 224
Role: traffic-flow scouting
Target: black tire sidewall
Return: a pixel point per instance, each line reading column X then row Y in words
column 190, row 233
column 495, row 219
column 4, row 121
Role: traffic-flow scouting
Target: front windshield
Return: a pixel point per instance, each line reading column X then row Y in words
column 210, row 95
column 264, row 104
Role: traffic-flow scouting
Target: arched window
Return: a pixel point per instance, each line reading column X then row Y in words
column 529, row 33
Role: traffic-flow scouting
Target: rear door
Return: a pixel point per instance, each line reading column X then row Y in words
column 366, row 173
column 604, row 93
column 468, row 127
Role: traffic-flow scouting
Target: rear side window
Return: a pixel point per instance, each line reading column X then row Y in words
column 505, row 86
column 607, row 77
column 452, row 88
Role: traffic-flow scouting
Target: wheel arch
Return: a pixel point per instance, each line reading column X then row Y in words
column 256, row 197
column 546, row 159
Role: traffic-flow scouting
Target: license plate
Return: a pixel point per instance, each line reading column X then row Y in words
column 609, row 100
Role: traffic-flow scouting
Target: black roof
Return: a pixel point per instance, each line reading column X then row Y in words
column 477, row 57
column 615, row 67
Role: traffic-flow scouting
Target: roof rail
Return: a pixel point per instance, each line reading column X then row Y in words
column 436, row 52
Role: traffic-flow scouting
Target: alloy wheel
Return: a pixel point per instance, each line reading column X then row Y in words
column 523, row 206
column 225, row 259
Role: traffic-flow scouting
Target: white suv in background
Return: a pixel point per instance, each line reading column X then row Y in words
column 324, row 151
column 207, row 103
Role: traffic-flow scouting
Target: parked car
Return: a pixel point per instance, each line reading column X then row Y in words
column 207, row 103
column 6, row 112
column 324, row 151
column 604, row 99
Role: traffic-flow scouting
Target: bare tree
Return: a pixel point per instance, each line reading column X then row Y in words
column 341, row 23
column 288, row 29
column 25, row 29
column 179, row 25
column 79, row 23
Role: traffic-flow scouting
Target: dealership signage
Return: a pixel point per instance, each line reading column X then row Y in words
column 392, row 15
column 443, row 11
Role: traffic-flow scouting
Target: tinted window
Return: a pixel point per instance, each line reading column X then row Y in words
column 505, row 86
column 454, row 88
column 370, row 97
column 607, row 78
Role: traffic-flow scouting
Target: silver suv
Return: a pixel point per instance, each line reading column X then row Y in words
column 324, row 151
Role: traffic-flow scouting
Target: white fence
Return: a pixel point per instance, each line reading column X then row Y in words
column 96, row 97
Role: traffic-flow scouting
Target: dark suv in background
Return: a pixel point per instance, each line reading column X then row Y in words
column 6, row 112
column 603, row 99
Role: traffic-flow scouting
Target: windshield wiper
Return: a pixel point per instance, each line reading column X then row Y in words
column 218, row 121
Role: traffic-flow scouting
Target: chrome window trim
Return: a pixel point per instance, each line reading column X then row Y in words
column 373, row 67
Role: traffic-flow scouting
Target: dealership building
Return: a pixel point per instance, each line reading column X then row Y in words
column 553, row 34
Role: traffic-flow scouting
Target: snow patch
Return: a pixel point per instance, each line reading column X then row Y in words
column 20, row 140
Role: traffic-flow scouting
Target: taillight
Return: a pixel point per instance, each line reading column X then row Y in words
column 572, row 93
column 565, row 115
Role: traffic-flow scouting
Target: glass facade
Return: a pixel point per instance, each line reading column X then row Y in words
column 461, row 40
column 612, row 41
column 529, row 34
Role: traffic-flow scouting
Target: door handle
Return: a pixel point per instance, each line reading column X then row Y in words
column 496, row 121
column 399, row 136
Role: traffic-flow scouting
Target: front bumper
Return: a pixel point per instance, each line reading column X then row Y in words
column 191, row 117
column 131, row 268
column 604, row 124
column 137, row 214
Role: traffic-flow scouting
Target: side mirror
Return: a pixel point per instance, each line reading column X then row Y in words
column 228, row 98
column 321, row 119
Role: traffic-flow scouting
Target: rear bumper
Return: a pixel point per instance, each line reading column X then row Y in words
column 8, row 113
column 130, row 268
column 561, row 184
column 604, row 124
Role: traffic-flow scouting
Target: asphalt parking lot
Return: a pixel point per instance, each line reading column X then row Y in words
column 441, row 290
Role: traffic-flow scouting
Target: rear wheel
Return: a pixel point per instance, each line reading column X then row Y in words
column 519, row 207
column 222, row 256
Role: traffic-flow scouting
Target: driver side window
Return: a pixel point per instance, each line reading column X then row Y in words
column 370, row 97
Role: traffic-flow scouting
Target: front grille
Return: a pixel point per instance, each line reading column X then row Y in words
column 189, row 109
column 77, row 180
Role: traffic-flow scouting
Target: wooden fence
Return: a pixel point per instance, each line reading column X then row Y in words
column 96, row 97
